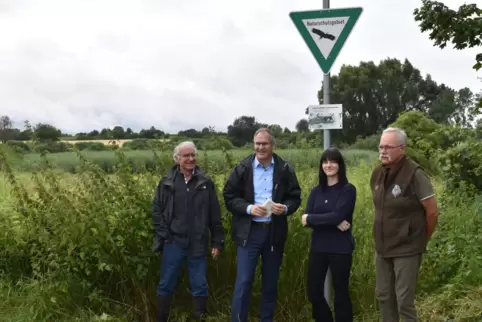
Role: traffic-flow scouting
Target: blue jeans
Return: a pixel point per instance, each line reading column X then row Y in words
column 172, row 258
column 247, row 257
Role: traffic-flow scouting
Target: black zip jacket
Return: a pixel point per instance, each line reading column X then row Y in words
column 206, row 214
column 239, row 193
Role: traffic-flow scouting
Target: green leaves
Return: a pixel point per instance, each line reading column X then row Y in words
column 463, row 28
column 454, row 152
column 462, row 163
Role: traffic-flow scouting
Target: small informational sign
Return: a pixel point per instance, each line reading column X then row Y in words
column 325, row 117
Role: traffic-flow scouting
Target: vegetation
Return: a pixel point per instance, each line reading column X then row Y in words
column 148, row 160
column 75, row 210
column 77, row 242
column 79, row 245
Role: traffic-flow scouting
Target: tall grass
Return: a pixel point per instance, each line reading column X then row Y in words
column 79, row 245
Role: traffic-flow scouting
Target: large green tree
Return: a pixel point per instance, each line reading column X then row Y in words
column 454, row 107
column 46, row 133
column 242, row 130
column 6, row 128
column 302, row 126
column 373, row 96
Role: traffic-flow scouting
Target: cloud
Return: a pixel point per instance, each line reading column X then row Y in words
column 84, row 65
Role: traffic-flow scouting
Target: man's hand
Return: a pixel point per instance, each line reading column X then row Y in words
column 344, row 225
column 258, row 211
column 215, row 253
column 303, row 219
column 277, row 209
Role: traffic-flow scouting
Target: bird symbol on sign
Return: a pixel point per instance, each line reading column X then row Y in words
column 322, row 34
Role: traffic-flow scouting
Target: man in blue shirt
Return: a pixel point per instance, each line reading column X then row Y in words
column 258, row 230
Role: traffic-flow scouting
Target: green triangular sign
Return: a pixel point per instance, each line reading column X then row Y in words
column 326, row 31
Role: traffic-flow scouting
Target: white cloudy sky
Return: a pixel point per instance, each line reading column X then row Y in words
column 90, row 64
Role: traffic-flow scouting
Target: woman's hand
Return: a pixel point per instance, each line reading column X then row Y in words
column 344, row 225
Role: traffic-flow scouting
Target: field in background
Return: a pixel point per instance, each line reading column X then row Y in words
column 139, row 159
column 119, row 143
column 88, row 243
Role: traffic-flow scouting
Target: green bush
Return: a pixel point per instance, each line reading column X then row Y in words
column 91, row 146
column 138, row 144
column 462, row 164
column 52, row 147
column 19, row 146
column 423, row 140
column 218, row 143
column 82, row 242
column 370, row 143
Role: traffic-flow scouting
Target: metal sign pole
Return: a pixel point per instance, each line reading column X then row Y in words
column 327, row 144
column 325, row 33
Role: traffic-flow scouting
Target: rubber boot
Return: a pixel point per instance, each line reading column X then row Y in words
column 199, row 308
column 163, row 308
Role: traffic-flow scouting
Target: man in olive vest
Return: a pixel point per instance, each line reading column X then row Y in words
column 405, row 218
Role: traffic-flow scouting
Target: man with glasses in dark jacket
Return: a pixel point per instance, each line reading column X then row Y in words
column 185, row 209
column 260, row 229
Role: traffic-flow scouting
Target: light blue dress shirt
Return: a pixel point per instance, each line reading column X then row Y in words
column 263, row 186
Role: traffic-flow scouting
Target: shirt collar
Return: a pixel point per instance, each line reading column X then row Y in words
column 256, row 162
column 193, row 172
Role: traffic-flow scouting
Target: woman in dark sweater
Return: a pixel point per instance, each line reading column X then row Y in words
column 329, row 213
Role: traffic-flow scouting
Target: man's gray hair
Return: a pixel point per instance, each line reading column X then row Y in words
column 401, row 134
column 185, row 144
column 266, row 130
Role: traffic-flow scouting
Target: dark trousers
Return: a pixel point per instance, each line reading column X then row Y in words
column 340, row 267
column 247, row 258
column 173, row 257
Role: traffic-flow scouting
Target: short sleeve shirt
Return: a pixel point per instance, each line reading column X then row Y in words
column 422, row 184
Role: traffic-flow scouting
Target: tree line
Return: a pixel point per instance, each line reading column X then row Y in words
column 373, row 96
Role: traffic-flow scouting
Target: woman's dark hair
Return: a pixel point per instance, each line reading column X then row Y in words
column 332, row 154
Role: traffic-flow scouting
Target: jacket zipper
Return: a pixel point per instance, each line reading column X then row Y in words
column 382, row 186
column 272, row 227
column 274, row 195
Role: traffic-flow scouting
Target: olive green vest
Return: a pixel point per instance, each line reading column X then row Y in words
column 399, row 227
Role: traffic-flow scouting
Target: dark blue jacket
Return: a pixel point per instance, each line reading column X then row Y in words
column 205, row 211
column 326, row 209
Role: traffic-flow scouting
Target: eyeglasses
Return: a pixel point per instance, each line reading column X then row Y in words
column 389, row 147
